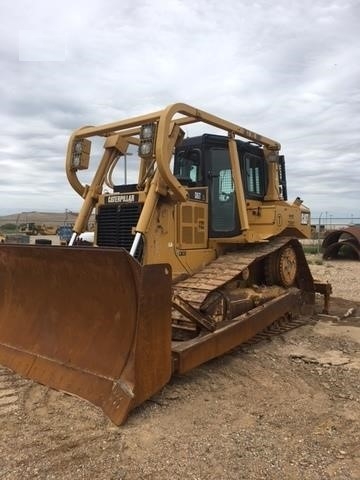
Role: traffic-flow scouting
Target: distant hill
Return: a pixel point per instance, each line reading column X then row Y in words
column 47, row 218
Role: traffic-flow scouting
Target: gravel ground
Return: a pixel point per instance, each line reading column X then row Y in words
column 343, row 275
column 284, row 408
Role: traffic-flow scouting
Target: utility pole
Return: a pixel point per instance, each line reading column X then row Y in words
column 318, row 245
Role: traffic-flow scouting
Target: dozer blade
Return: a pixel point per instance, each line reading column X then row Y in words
column 88, row 321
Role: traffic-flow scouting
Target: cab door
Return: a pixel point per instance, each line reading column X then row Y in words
column 223, row 214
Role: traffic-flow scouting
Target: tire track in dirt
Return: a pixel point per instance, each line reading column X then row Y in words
column 10, row 387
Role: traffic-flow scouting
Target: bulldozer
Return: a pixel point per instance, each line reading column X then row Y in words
column 196, row 257
column 32, row 228
column 29, row 228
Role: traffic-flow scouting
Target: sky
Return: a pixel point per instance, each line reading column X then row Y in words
column 289, row 70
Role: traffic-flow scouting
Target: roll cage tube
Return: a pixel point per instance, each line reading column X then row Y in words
column 168, row 135
column 166, row 122
column 162, row 151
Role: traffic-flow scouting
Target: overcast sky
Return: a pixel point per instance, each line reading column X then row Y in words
column 287, row 69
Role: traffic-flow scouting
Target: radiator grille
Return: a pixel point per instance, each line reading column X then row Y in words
column 115, row 224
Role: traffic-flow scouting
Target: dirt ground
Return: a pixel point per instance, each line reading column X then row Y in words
column 284, row 408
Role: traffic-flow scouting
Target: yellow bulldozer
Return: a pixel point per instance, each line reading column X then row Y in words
column 29, row 228
column 195, row 258
column 32, row 228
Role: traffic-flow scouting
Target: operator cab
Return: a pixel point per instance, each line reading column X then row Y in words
column 204, row 161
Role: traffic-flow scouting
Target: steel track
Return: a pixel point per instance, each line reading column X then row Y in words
column 279, row 327
column 231, row 266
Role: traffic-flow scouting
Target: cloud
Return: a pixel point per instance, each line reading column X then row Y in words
column 287, row 70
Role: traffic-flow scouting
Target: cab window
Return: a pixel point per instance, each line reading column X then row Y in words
column 254, row 176
column 187, row 167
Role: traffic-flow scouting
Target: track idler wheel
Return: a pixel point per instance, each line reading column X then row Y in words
column 281, row 267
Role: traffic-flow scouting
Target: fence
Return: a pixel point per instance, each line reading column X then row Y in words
column 327, row 222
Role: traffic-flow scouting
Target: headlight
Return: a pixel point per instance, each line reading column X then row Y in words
column 147, row 131
column 81, row 154
column 145, row 149
column 78, row 147
column 76, row 161
column 147, row 139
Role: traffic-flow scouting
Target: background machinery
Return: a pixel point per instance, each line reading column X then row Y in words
column 32, row 228
column 29, row 228
column 193, row 259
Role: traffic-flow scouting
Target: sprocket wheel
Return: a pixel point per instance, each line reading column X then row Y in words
column 281, row 267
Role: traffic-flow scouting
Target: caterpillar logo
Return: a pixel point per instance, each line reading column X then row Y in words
column 123, row 198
